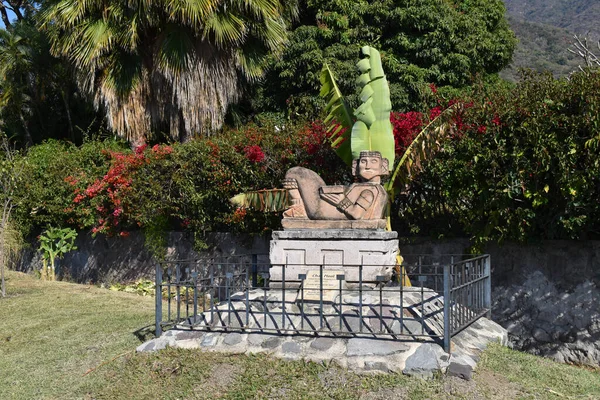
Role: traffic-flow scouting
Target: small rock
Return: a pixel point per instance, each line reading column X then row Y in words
column 209, row 340
column 376, row 366
column 374, row 347
column 291, row 347
column 256, row 339
column 188, row 335
column 425, row 361
column 271, row 342
column 322, row 343
column 461, row 368
column 232, row 339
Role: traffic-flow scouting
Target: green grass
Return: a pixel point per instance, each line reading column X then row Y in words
column 61, row 341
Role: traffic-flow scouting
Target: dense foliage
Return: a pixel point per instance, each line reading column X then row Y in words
column 523, row 164
column 447, row 43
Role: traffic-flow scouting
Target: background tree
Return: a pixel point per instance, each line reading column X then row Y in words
column 172, row 67
column 10, row 175
column 38, row 95
column 421, row 42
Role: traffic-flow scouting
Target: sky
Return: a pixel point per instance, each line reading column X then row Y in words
column 11, row 17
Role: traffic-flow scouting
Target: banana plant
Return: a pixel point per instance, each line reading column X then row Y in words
column 372, row 129
column 55, row 243
column 368, row 127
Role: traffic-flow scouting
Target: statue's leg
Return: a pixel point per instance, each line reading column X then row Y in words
column 305, row 192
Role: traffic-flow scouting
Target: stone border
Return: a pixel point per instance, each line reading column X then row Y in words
column 362, row 355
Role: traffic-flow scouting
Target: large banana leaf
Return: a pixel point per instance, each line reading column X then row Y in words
column 339, row 116
column 423, row 147
column 267, row 200
column 373, row 130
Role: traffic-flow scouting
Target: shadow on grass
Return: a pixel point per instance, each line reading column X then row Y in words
column 145, row 333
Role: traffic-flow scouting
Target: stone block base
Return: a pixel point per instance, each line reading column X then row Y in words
column 299, row 251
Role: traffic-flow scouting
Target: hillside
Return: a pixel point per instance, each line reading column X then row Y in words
column 577, row 16
column 542, row 48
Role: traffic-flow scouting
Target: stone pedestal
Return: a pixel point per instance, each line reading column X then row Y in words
column 299, row 251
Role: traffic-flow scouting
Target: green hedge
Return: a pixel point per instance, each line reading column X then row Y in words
column 521, row 163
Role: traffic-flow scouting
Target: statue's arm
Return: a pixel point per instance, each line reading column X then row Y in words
column 356, row 210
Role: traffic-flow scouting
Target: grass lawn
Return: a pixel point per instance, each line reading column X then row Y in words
column 60, row 341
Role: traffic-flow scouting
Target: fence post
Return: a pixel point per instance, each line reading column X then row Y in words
column 447, row 310
column 487, row 271
column 254, row 270
column 158, row 298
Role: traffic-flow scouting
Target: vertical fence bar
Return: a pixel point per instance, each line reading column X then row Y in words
column 283, row 313
column 487, row 286
column 447, row 309
column 178, row 289
column 321, row 295
column 360, row 304
column 247, row 283
column 422, row 297
column 254, row 270
column 187, row 292
column 195, row 282
column 158, row 298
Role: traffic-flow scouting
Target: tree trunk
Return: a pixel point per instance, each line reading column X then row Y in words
column 66, row 103
column 28, row 138
column 4, row 15
column 44, row 269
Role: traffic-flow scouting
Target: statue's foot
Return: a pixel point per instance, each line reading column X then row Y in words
column 295, row 211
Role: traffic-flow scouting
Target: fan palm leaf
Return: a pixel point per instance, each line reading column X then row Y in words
column 166, row 65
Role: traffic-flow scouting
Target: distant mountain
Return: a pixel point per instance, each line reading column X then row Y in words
column 542, row 48
column 545, row 30
column 578, row 16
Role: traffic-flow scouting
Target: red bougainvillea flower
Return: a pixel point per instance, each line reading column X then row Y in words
column 406, row 127
column 254, row 153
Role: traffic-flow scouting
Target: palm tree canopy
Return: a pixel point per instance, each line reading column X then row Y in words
column 166, row 65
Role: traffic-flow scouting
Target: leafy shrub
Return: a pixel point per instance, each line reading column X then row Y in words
column 517, row 166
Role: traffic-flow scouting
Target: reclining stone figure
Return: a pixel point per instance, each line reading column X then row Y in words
column 312, row 199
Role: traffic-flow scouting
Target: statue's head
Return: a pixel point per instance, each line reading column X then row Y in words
column 370, row 166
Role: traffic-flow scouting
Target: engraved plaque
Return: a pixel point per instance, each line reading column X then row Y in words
column 331, row 285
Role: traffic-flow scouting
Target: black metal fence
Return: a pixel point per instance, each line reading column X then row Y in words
column 246, row 293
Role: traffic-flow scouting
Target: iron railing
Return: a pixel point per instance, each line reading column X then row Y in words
column 236, row 294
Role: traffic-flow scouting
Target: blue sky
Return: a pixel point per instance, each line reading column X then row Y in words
column 11, row 17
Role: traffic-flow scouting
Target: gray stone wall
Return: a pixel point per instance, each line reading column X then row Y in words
column 104, row 260
column 546, row 295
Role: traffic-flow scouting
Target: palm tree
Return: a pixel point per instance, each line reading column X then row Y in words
column 170, row 66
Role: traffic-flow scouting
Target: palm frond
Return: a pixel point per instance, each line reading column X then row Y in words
column 266, row 200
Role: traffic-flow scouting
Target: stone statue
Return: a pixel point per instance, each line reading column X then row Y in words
column 312, row 199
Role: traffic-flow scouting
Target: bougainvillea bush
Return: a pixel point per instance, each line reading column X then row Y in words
column 107, row 188
column 521, row 164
